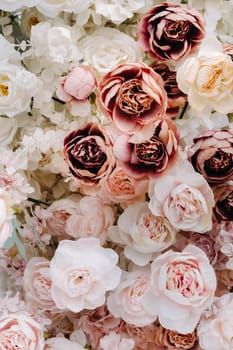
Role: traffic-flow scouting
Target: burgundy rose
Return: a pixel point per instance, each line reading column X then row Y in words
column 176, row 98
column 88, row 152
column 212, row 155
column 152, row 157
column 223, row 195
column 132, row 96
column 207, row 244
column 170, row 31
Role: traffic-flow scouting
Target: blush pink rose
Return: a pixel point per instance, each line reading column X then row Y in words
column 183, row 285
column 20, row 331
column 170, row 31
column 114, row 341
column 60, row 343
column 75, row 89
column 184, row 197
column 37, row 285
column 82, row 272
column 132, row 96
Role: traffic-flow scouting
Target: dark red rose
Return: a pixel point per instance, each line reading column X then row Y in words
column 88, row 152
column 212, row 155
column 223, row 195
column 170, row 32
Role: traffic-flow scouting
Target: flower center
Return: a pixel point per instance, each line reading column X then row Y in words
column 183, row 341
column 213, row 77
column 132, row 98
column 226, row 206
column 4, row 90
column 220, row 162
column 120, row 183
column 176, row 30
column 152, row 152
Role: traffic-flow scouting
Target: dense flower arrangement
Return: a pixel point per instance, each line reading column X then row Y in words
column 116, row 174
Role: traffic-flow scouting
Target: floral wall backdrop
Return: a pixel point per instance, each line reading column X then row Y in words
column 116, row 174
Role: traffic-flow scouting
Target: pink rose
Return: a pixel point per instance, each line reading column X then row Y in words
column 152, row 157
column 82, row 272
column 127, row 300
column 212, row 155
column 183, row 285
column 20, row 331
column 91, row 219
column 170, row 31
column 184, row 197
column 88, row 153
column 37, row 285
column 121, row 187
column 133, row 97
column 114, row 341
column 75, row 89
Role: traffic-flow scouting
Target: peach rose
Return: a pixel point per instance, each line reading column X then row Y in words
column 170, row 31
column 184, row 197
column 183, row 285
column 133, row 97
column 37, row 285
column 20, row 331
column 75, row 88
column 81, row 272
column 127, row 300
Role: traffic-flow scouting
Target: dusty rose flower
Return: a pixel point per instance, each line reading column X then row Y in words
column 144, row 336
column 121, row 187
column 91, row 219
column 183, row 284
column 88, row 153
column 114, row 341
column 223, row 195
column 172, row 340
column 170, row 31
column 216, row 328
column 37, row 285
column 207, row 244
column 184, row 197
column 75, row 88
column 212, row 155
column 20, row 331
column 175, row 97
column 133, row 97
column 151, row 157
column 82, row 272
column 127, row 300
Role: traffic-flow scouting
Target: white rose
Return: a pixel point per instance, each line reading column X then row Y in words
column 8, row 129
column 146, row 236
column 52, row 8
column 17, row 87
column 116, row 48
column 81, row 273
column 207, row 79
column 13, row 5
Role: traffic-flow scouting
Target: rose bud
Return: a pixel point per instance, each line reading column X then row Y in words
column 170, row 32
column 132, row 96
column 223, row 195
column 212, row 155
column 176, row 98
column 152, row 157
column 88, row 153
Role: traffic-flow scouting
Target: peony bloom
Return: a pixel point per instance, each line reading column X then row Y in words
column 183, row 285
column 88, row 153
column 175, row 97
column 152, row 157
column 212, row 155
column 146, row 236
column 81, row 273
column 19, row 331
column 133, row 97
column 184, row 198
column 223, row 195
column 170, row 32
column 210, row 83
column 216, row 328
column 37, row 285
column 127, row 300
column 75, row 88
column 114, row 341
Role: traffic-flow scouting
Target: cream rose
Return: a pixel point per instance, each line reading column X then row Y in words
column 19, row 331
column 184, row 197
column 207, row 79
column 146, row 236
column 17, row 87
column 183, row 285
column 81, row 273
